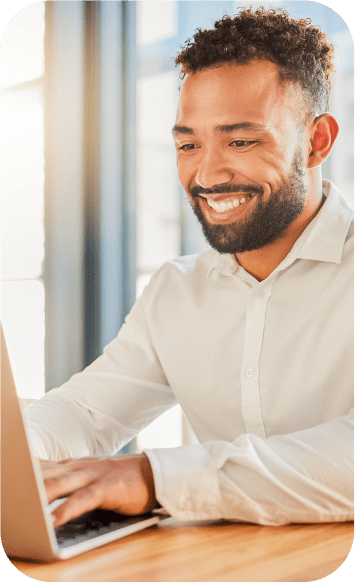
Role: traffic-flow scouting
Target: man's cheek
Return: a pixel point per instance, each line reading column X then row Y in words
column 268, row 171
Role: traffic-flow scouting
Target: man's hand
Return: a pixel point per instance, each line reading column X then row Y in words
column 124, row 484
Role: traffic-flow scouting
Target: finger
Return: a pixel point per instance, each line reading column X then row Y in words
column 79, row 502
column 75, row 461
column 64, row 484
column 49, row 468
column 53, row 469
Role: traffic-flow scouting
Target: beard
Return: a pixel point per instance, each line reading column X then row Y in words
column 267, row 221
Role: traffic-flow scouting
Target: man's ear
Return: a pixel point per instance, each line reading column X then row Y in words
column 324, row 131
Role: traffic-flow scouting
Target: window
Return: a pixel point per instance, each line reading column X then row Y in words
column 22, row 165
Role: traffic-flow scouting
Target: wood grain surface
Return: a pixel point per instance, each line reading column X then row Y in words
column 208, row 552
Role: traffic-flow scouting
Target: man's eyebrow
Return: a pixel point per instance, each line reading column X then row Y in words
column 182, row 129
column 245, row 125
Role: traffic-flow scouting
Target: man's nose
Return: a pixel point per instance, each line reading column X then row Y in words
column 213, row 169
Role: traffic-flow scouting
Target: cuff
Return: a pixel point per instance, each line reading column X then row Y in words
column 186, row 482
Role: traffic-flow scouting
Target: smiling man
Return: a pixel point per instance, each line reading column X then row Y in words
column 245, row 138
column 253, row 337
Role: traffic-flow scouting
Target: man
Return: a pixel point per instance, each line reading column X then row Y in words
column 254, row 338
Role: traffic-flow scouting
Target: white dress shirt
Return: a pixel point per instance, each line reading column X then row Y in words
column 262, row 370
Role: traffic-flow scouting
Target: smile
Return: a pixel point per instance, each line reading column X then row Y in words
column 227, row 203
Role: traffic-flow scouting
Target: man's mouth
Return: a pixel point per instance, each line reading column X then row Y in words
column 221, row 203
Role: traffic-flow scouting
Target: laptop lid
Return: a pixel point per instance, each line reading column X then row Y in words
column 26, row 530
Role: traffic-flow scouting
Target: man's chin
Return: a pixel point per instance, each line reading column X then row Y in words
column 223, row 239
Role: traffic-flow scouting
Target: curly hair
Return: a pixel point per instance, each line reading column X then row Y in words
column 299, row 49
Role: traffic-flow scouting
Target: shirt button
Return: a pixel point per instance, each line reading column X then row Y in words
column 249, row 372
column 260, row 293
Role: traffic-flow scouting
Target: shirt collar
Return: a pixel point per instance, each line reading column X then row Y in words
column 324, row 237
column 322, row 240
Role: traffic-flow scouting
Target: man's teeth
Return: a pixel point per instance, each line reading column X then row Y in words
column 223, row 206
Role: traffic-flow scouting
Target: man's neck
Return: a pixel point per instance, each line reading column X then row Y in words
column 262, row 262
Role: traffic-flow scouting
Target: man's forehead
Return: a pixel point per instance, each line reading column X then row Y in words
column 252, row 90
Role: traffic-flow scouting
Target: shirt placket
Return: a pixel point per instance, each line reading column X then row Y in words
column 250, row 372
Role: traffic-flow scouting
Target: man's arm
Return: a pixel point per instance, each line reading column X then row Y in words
column 302, row 477
column 102, row 408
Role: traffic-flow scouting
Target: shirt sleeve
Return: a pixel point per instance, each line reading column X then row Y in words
column 102, row 408
column 303, row 477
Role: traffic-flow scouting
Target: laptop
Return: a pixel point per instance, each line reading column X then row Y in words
column 26, row 522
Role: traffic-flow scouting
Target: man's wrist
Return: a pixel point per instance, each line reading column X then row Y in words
column 148, row 476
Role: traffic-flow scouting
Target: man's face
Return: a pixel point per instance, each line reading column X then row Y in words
column 240, row 154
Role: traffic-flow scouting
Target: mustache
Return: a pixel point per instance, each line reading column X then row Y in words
column 225, row 189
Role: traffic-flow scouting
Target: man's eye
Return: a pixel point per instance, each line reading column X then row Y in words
column 241, row 143
column 187, row 147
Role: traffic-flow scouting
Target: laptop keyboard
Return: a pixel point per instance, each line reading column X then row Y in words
column 93, row 524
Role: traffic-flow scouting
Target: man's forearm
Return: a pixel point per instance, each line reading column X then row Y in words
column 302, row 477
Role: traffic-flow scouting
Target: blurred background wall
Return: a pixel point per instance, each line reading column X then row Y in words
column 91, row 203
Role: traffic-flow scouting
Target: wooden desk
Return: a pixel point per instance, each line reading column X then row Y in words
column 210, row 552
